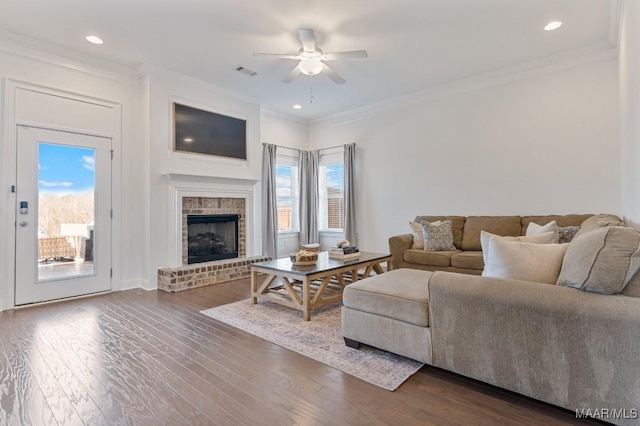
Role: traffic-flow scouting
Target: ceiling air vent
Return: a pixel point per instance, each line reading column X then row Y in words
column 245, row 71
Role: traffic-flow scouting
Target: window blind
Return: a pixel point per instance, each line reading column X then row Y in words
column 287, row 193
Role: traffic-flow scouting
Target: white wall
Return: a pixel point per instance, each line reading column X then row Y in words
column 630, row 111
column 543, row 145
column 66, row 75
column 283, row 130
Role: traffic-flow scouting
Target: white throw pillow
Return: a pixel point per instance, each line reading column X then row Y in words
column 418, row 235
column 534, row 228
column 545, row 238
column 524, row 261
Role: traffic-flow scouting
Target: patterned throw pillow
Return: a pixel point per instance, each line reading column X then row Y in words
column 567, row 233
column 438, row 237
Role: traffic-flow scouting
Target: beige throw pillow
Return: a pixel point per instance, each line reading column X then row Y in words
column 552, row 226
column 524, row 261
column 602, row 260
column 438, row 237
column 418, row 236
column 544, row 238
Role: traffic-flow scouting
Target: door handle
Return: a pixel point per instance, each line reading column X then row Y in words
column 23, row 223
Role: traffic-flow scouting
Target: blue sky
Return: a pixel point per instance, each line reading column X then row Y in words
column 65, row 169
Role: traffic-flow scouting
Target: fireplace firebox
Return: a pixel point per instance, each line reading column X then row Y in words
column 212, row 237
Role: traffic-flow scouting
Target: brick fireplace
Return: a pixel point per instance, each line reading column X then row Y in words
column 194, row 195
column 222, row 208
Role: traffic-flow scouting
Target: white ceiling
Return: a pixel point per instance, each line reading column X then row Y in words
column 413, row 45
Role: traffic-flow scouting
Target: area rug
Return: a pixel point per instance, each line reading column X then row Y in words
column 320, row 339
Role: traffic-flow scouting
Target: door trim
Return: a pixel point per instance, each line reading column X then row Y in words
column 11, row 87
column 30, row 286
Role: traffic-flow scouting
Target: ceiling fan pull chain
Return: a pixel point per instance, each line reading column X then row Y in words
column 310, row 90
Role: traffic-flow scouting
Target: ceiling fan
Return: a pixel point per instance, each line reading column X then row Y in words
column 312, row 59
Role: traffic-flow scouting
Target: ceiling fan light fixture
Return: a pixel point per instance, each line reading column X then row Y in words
column 310, row 66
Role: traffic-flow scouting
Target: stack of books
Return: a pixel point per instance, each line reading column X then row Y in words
column 346, row 253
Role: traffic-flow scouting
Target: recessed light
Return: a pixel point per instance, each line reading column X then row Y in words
column 94, row 39
column 297, row 106
column 188, row 140
column 554, row 25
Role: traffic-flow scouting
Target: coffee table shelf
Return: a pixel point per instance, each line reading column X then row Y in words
column 306, row 288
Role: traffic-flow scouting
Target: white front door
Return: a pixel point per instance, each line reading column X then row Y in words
column 63, row 215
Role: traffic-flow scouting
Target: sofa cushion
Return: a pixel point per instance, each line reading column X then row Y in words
column 535, row 229
column 544, row 238
column 433, row 258
column 468, row 260
column 598, row 221
column 457, row 224
column 438, row 236
column 499, row 225
column 602, row 260
column 524, row 261
column 561, row 220
column 402, row 294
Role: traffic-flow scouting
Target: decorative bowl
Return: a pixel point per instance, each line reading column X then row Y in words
column 304, row 258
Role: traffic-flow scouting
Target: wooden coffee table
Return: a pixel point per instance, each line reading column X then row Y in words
column 306, row 288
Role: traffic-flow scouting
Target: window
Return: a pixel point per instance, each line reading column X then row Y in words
column 287, row 193
column 331, row 188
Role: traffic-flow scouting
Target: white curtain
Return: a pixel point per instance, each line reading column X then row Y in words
column 269, row 202
column 309, row 196
column 350, row 193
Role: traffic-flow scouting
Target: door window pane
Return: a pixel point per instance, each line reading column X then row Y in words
column 66, row 211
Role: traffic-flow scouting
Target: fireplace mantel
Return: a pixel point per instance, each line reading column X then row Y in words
column 184, row 185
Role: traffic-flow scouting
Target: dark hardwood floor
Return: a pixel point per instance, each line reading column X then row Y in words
column 151, row 358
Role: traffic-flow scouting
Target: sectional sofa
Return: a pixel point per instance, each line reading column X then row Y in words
column 467, row 258
column 571, row 347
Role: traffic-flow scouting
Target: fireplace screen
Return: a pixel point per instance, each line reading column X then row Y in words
column 212, row 237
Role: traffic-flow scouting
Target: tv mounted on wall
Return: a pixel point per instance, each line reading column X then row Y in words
column 205, row 132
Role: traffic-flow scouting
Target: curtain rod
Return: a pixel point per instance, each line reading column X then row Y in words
column 299, row 150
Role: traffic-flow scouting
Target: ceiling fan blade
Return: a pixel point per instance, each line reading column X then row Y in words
column 308, row 39
column 332, row 75
column 351, row 54
column 292, row 74
column 277, row 55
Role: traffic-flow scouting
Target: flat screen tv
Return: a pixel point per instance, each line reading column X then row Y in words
column 205, row 132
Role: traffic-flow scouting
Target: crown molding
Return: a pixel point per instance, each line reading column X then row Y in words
column 41, row 51
column 151, row 70
column 566, row 60
column 271, row 115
